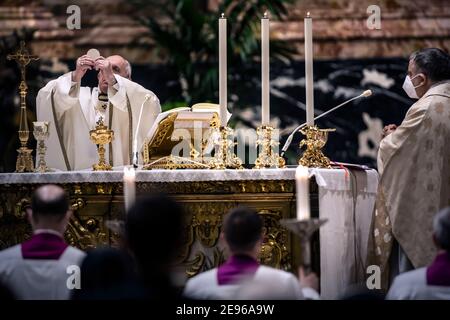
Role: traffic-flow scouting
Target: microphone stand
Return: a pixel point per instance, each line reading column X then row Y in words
column 288, row 142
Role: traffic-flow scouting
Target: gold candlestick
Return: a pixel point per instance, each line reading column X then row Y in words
column 24, row 161
column 101, row 135
column 41, row 133
column 224, row 156
column 267, row 157
column 316, row 139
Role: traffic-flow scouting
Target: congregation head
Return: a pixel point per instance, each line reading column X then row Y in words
column 49, row 204
column 242, row 229
column 153, row 228
column 441, row 229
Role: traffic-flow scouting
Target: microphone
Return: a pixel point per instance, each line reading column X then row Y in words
column 135, row 151
column 288, row 142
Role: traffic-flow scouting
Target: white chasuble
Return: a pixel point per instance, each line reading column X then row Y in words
column 414, row 162
column 73, row 111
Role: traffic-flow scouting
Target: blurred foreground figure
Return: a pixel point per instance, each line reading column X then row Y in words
column 73, row 110
column 432, row 282
column 413, row 161
column 241, row 276
column 108, row 274
column 153, row 230
column 38, row 268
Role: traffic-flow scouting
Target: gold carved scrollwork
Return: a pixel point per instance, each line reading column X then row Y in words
column 274, row 251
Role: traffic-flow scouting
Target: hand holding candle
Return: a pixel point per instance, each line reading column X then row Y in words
column 302, row 188
column 129, row 187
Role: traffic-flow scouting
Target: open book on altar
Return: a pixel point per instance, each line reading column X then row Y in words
column 185, row 133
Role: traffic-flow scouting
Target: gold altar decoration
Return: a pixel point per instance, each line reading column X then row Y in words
column 193, row 128
column 41, row 133
column 24, row 161
column 224, row 157
column 315, row 140
column 101, row 135
column 267, row 157
column 205, row 204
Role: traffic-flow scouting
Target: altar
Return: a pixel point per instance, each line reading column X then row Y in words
column 344, row 197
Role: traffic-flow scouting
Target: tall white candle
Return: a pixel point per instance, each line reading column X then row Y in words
column 309, row 71
column 129, row 187
column 302, row 188
column 223, row 70
column 265, row 78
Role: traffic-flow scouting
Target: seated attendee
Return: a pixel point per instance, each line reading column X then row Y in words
column 241, row 276
column 38, row 268
column 432, row 282
column 108, row 274
column 153, row 229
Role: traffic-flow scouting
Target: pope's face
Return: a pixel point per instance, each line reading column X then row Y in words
column 118, row 66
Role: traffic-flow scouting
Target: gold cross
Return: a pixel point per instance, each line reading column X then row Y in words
column 22, row 57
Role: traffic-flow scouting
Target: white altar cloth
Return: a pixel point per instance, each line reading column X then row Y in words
column 346, row 199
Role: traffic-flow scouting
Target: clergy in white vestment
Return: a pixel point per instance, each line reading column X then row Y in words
column 73, row 111
column 431, row 282
column 39, row 268
column 241, row 277
column 413, row 160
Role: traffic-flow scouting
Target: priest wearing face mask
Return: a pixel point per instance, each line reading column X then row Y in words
column 73, row 111
column 414, row 167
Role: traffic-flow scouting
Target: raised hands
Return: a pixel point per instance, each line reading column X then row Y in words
column 84, row 63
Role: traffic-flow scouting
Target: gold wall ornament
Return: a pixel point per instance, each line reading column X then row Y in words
column 315, row 140
column 224, row 157
column 267, row 157
column 24, row 161
column 41, row 133
column 101, row 135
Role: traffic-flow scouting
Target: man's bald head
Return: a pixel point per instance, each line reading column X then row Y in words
column 49, row 201
column 120, row 66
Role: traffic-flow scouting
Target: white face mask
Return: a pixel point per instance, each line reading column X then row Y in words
column 409, row 87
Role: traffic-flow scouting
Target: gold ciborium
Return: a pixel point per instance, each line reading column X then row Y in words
column 41, row 133
column 101, row 135
column 315, row 140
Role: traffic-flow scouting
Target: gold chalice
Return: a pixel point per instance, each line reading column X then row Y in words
column 41, row 133
column 101, row 135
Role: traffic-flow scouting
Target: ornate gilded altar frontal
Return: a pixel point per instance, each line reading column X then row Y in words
column 205, row 203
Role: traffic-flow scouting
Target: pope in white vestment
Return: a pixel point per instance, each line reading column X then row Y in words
column 73, row 111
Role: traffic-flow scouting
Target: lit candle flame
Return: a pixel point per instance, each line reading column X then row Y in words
column 308, row 14
column 265, row 15
column 222, row 16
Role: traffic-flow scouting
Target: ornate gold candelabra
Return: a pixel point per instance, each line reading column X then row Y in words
column 304, row 229
column 315, row 140
column 41, row 133
column 24, row 161
column 224, row 156
column 267, row 157
column 101, row 135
